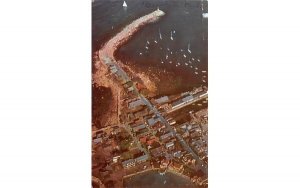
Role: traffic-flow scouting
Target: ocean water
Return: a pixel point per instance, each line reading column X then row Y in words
column 183, row 19
column 153, row 179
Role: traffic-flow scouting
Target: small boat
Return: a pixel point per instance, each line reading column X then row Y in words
column 148, row 42
column 124, row 4
column 189, row 50
column 168, row 49
column 196, row 72
column 203, row 71
column 162, row 62
column 198, row 60
column 184, row 55
column 196, row 68
column 171, row 52
column 181, row 50
column 191, row 66
column 155, row 41
column 186, row 64
column 141, row 53
column 160, row 34
column 171, row 35
column 147, row 47
column 167, row 56
column 178, row 63
column 190, row 62
column 170, row 62
column 165, row 181
column 193, row 59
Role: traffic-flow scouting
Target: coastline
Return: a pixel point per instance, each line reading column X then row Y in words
column 156, row 169
column 110, row 47
column 100, row 77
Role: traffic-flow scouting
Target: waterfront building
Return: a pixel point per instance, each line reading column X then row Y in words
column 182, row 101
column 128, row 163
column 162, row 100
column 142, row 158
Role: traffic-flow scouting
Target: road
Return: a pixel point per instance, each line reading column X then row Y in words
column 128, row 129
column 200, row 164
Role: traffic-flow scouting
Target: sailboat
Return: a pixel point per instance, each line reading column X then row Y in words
column 189, row 50
column 124, row 4
column 171, row 35
column 160, row 34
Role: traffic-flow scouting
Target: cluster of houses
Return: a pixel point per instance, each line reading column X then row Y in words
column 132, row 162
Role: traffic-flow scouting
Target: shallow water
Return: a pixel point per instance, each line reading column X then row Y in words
column 152, row 179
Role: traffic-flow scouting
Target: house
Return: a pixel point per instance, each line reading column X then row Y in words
column 97, row 140
column 130, row 89
column 152, row 121
column 142, row 158
column 128, row 163
column 151, row 140
column 116, row 158
column 138, row 127
column 170, row 145
column 162, row 100
column 141, row 113
column 167, row 135
column 143, row 139
column 157, row 152
column 158, row 126
column 177, row 154
column 177, row 166
column 135, row 103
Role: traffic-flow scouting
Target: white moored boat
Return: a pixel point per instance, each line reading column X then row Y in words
column 124, row 4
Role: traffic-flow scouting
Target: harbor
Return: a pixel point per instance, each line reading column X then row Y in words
column 140, row 131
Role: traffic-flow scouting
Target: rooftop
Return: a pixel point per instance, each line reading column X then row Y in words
column 162, row 100
column 135, row 103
